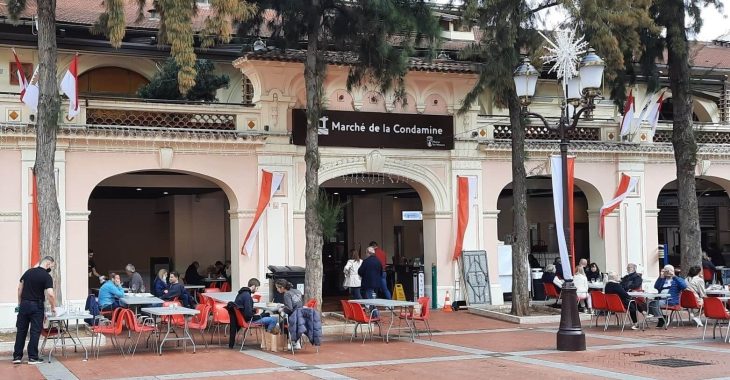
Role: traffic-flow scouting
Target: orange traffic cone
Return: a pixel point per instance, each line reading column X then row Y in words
column 447, row 303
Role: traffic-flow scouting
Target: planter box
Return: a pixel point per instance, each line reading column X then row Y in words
column 540, row 314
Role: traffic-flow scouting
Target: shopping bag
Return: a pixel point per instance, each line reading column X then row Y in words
column 273, row 342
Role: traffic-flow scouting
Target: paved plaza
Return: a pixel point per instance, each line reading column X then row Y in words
column 463, row 345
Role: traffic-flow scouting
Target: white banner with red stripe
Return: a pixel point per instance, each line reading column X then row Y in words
column 558, row 202
column 467, row 197
column 625, row 187
column 69, row 86
column 270, row 182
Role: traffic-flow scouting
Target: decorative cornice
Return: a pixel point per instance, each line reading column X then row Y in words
column 717, row 150
column 241, row 214
column 437, row 215
column 491, row 214
column 11, row 216
column 78, row 216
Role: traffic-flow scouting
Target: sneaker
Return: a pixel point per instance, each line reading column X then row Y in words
column 17, row 361
column 288, row 346
column 297, row 345
column 698, row 321
column 35, row 361
column 634, row 327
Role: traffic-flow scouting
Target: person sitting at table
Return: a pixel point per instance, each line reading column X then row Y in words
column 558, row 267
column 293, row 300
column 159, row 288
column 136, row 284
column 220, row 269
column 549, row 277
column 593, row 274
column 707, row 264
column 633, row 280
column 696, row 284
column 192, row 277
column 614, row 287
column 670, row 284
column 176, row 290
column 244, row 302
column 581, row 285
column 110, row 293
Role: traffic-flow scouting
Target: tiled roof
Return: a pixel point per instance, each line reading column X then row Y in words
column 86, row 12
column 708, row 54
column 345, row 58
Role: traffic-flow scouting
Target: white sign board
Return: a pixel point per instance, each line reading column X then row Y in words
column 412, row 215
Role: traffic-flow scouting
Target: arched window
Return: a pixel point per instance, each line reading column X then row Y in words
column 247, row 90
column 111, row 81
column 667, row 112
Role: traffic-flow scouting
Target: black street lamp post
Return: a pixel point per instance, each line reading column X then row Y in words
column 570, row 336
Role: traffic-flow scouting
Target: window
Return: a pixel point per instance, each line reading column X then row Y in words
column 247, row 90
column 111, row 81
column 27, row 70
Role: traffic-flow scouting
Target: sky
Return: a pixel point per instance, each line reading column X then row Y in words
column 715, row 23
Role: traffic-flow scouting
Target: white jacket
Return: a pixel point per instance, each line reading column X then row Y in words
column 581, row 284
column 352, row 279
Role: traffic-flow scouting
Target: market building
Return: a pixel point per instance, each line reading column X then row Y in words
column 164, row 183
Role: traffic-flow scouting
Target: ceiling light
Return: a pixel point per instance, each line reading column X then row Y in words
column 362, row 189
column 395, row 197
column 165, row 192
column 139, row 189
column 336, row 193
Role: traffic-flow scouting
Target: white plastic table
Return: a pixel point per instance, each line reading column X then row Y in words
column 390, row 305
column 596, row 285
column 61, row 323
column 718, row 292
column 652, row 297
column 274, row 307
column 224, row 297
column 170, row 312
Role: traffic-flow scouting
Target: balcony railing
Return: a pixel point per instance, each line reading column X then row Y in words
column 540, row 132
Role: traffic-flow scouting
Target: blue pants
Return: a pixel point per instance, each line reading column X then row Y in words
column 268, row 322
column 30, row 313
column 371, row 294
column 355, row 293
column 384, row 286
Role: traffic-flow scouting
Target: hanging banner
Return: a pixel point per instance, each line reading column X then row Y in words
column 557, row 178
column 378, row 130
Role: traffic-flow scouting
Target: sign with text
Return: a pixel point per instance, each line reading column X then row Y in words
column 378, row 130
column 412, row 215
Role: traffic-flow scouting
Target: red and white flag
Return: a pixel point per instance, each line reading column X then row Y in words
column 270, row 182
column 22, row 80
column 656, row 108
column 69, row 86
column 467, row 197
column 625, row 187
column 558, row 202
column 629, row 110
column 31, row 93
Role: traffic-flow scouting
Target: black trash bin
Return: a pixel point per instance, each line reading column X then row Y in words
column 293, row 274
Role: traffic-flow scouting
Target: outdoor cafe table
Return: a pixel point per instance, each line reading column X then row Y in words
column 136, row 300
column 717, row 292
column 596, row 285
column 390, row 305
column 224, row 297
column 651, row 297
column 185, row 312
column 212, row 280
column 270, row 307
column 61, row 324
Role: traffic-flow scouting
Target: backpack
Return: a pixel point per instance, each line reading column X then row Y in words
column 92, row 305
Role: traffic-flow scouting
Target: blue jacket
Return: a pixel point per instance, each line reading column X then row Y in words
column 306, row 321
column 678, row 284
column 108, row 292
column 371, row 273
column 159, row 287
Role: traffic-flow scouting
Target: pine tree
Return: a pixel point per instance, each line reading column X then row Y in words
column 670, row 16
column 509, row 29
column 365, row 28
column 164, row 84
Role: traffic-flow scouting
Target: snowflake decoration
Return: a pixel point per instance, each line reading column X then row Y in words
column 564, row 52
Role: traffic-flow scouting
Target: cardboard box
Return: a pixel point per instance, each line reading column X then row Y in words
column 273, row 343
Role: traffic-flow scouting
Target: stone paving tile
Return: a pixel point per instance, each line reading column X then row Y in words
column 9, row 370
column 627, row 361
column 527, row 340
column 112, row 365
column 492, row 368
column 290, row 375
column 336, row 351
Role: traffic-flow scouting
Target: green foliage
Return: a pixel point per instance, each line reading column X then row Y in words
column 330, row 212
column 15, row 8
column 383, row 34
column 164, row 85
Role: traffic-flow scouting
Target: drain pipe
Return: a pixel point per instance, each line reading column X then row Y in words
column 434, row 287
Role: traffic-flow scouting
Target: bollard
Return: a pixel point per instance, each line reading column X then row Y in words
column 434, row 287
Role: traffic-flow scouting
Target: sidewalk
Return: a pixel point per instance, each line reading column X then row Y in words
column 463, row 345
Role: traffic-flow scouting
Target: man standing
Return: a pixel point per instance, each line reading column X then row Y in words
column 35, row 286
column 380, row 254
column 371, row 273
column 92, row 268
column 136, row 284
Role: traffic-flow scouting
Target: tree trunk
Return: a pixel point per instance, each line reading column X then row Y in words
column 520, row 241
column 47, row 124
column 683, row 139
column 313, row 74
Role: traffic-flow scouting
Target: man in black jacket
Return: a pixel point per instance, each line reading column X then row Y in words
column 244, row 303
column 177, row 290
column 632, row 280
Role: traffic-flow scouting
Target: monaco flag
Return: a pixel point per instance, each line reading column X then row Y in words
column 654, row 111
column 69, row 86
column 629, row 110
column 22, row 80
column 270, row 182
column 625, row 187
column 558, row 202
column 467, row 196
column 30, row 95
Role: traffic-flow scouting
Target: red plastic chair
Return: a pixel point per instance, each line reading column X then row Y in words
column 347, row 313
column 212, row 290
column 112, row 328
column 256, row 297
column 360, row 318
column 226, row 287
column 616, row 306
column 715, row 309
column 147, row 325
column 242, row 324
column 199, row 322
column 174, row 319
column 674, row 310
column 551, row 292
column 220, row 318
column 311, row 303
column 688, row 300
column 599, row 304
column 424, row 316
column 708, row 275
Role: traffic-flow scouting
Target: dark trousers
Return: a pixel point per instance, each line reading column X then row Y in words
column 632, row 311
column 233, row 326
column 355, row 293
column 30, row 314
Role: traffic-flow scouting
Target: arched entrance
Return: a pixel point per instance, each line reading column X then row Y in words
column 158, row 219
column 541, row 221
column 714, row 212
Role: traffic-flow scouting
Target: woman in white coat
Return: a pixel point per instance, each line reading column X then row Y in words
column 581, row 285
column 352, row 279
